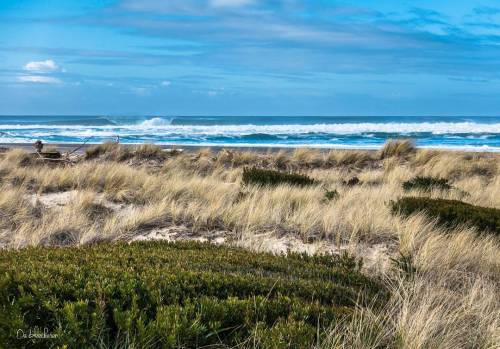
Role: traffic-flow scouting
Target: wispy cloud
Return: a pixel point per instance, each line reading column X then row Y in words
column 174, row 48
column 46, row 66
column 261, row 37
column 39, row 79
column 41, row 72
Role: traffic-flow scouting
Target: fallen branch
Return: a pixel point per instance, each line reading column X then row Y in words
column 77, row 148
column 56, row 160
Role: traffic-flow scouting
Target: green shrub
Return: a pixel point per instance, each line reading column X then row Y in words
column 331, row 194
column 451, row 212
column 259, row 176
column 174, row 295
column 426, row 183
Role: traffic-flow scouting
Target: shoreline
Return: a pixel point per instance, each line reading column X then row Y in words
column 263, row 148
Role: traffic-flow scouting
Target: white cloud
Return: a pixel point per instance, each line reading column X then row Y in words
column 165, row 83
column 42, row 66
column 39, row 79
column 230, row 3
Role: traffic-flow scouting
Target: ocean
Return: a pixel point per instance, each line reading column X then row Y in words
column 467, row 133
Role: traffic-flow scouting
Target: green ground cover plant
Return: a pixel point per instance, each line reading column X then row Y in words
column 170, row 295
column 451, row 213
column 331, row 194
column 426, row 183
column 265, row 177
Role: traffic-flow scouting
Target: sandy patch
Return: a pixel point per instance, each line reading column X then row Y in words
column 53, row 200
column 375, row 256
column 286, row 243
column 61, row 199
column 175, row 233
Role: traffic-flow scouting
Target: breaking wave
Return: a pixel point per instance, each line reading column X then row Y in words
column 156, row 122
column 470, row 134
column 165, row 125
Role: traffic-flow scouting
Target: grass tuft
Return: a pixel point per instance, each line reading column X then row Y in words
column 150, row 151
column 108, row 151
column 397, row 148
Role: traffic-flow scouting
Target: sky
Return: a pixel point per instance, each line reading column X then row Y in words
column 250, row 57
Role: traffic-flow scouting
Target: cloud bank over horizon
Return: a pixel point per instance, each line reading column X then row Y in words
column 245, row 57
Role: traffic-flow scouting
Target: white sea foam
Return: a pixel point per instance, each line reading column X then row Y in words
column 482, row 148
column 164, row 126
column 474, row 136
column 156, row 122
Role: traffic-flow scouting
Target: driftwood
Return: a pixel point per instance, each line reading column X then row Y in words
column 50, row 154
column 53, row 160
column 77, row 148
column 54, row 156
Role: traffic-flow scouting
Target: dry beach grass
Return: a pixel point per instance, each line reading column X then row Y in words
column 450, row 298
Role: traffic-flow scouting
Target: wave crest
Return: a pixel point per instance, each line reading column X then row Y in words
column 165, row 125
column 156, row 122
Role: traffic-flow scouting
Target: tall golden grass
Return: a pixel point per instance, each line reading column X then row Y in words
column 451, row 301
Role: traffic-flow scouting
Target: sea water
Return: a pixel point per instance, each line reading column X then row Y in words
column 468, row 133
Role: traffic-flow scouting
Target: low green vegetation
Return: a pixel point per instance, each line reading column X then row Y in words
column 265, row 177
column 426, row 184
column 331, row 194
column 171, row 295
column 451, row 213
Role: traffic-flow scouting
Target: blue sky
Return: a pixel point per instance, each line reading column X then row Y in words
column 248, row 57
